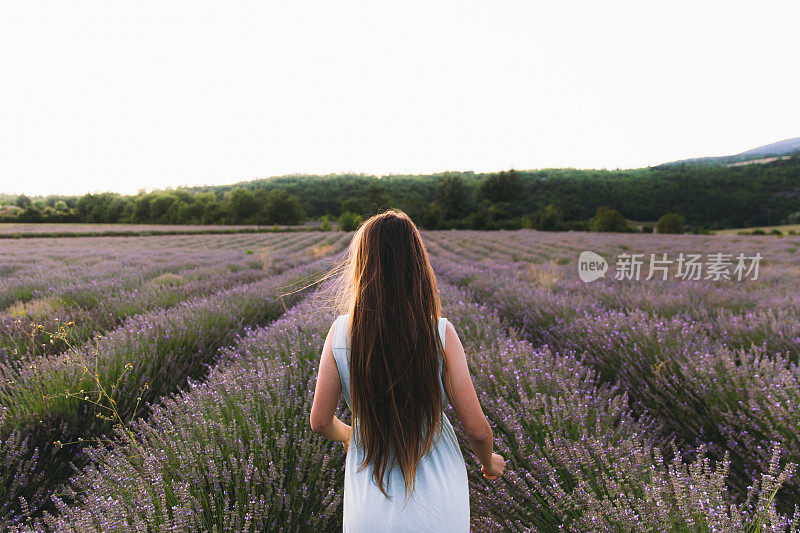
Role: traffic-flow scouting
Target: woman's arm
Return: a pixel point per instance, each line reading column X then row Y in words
column 326, row 397
column 465, row 402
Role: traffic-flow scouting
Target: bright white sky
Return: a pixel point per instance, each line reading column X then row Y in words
column 109, row 95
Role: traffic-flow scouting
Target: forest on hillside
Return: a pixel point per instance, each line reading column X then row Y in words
column 706, row 196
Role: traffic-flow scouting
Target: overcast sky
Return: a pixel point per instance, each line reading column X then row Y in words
column 106, row 95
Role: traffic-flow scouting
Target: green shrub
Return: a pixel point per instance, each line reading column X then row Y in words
column 671, row 223
column 349, row 221
column 545, row 219
column 326, row 223
column 609, row 219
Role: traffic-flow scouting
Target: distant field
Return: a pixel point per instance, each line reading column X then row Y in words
column 785, row 229
column 586, row 385
column 33, row 229
column 759, row 161
column 91, row 228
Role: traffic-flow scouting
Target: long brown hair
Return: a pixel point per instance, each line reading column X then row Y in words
column 390, row 293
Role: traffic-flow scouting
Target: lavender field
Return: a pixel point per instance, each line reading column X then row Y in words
column 177, row 398
column 34, row 229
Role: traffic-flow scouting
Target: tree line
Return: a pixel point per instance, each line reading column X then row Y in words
column 701, row 196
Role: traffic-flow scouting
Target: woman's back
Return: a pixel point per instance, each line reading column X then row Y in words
column 440, row 501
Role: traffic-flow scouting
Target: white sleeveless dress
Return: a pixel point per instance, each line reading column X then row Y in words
column 440, row 501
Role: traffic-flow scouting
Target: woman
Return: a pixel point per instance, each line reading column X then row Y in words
column 404, row 469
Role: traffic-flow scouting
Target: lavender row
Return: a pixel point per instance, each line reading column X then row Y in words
column 730, row 383
column 702, row 392
column 101, row 303
column 148, row 357
column 577, row 458
column 777, row 287
column 234, row 453
column 85, row 268
column 538, row 299
column 732, row 314
column 530, row 246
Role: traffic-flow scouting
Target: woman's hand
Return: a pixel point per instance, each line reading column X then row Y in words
column 496, row 469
